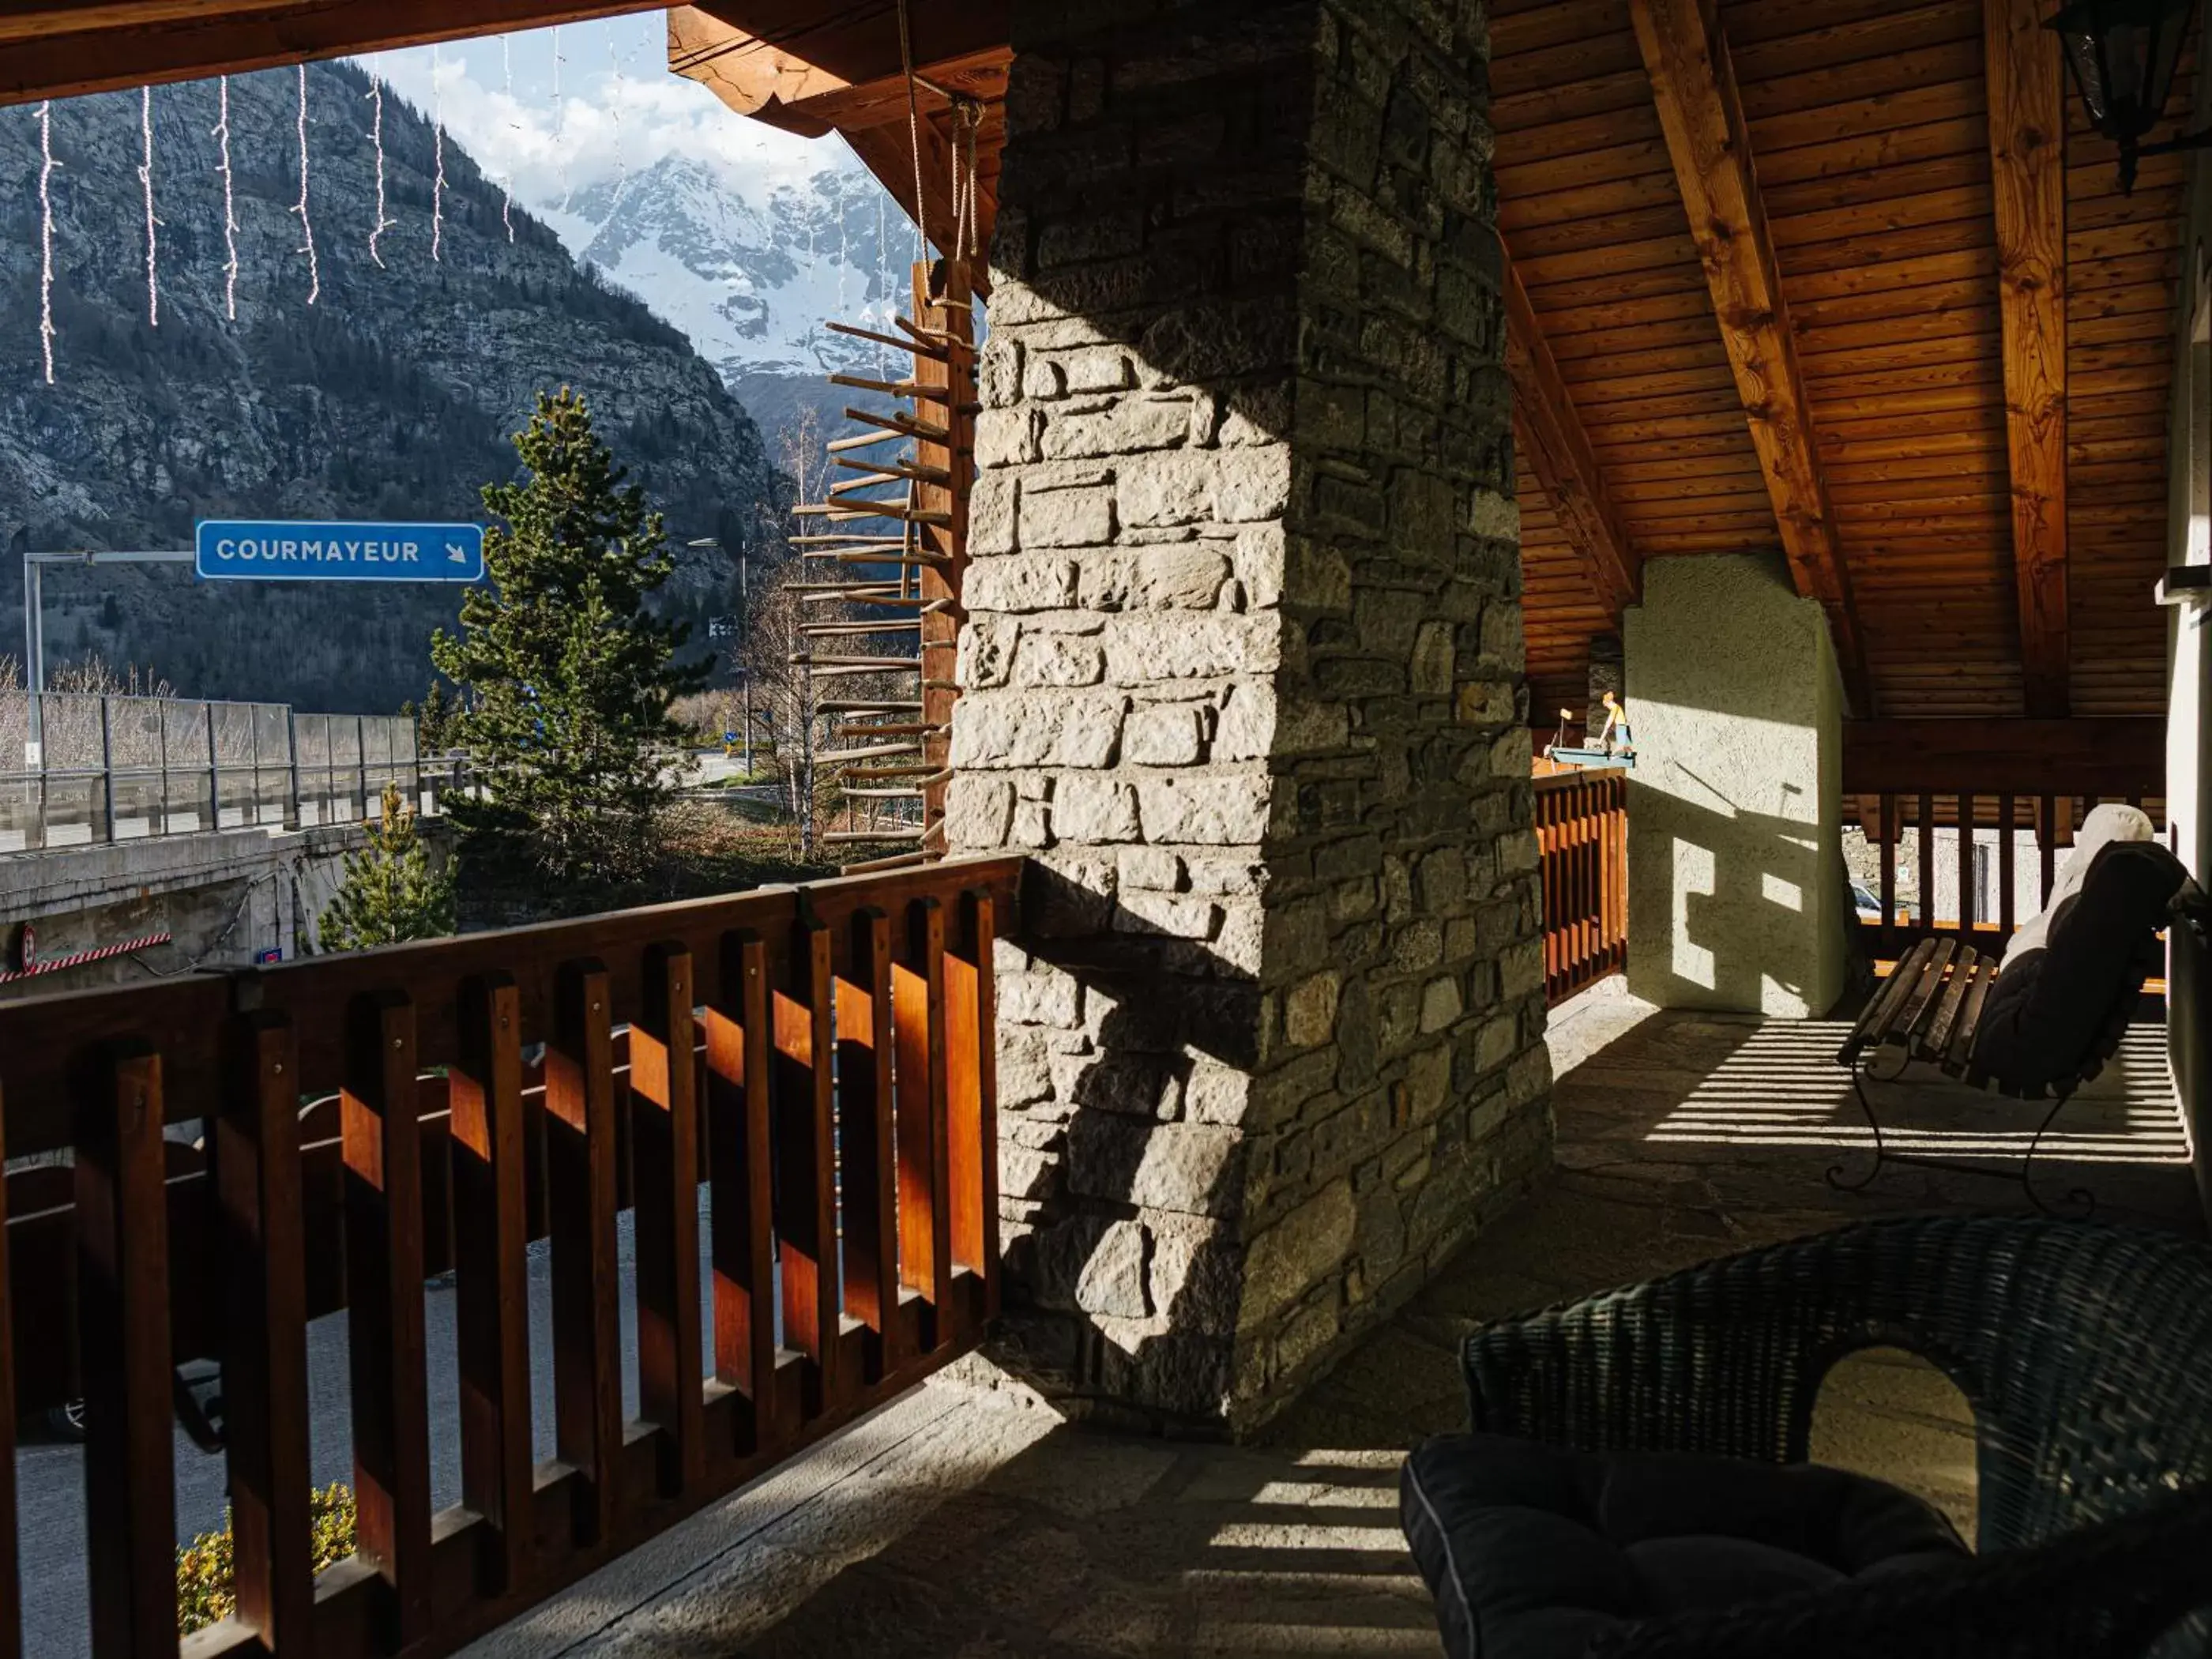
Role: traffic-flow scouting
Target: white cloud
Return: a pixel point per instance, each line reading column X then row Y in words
column 620, row 110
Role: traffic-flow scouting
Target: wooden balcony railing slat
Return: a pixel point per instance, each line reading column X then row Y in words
column 843, row 1025
column 864, row 1138
column 738, row 1042
column 11, row 1596
column 664, row 1137
column 2008, row 816
column 966, row 969
column 918, row 1010
column 123, row 1333
column 384, row 1288
column 265, row 1347
column 1582, row 845
column 491, row 1230
column 806, row 1164
column 580, row 1205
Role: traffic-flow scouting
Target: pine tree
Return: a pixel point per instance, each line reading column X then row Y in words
column 390, row 894
column 565, row 675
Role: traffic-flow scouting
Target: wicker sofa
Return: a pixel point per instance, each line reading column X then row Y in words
column 2085, row 1353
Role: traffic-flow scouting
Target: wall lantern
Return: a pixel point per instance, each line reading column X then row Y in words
column 2123, row 53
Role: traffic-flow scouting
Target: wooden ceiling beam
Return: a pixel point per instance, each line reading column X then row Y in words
column 2027, row 162
column 1552, row 440
column 1694, row 86
column 53, row 49
column 2123, row 754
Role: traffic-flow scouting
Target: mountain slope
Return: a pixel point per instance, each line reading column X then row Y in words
column 390, row 396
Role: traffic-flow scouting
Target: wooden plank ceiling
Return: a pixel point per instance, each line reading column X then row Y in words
column 1868, row 131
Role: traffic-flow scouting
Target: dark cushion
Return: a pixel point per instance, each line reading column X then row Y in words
column 2044, row 1015
column 1531, row 1550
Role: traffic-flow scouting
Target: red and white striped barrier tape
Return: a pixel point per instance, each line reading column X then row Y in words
column 78, row 958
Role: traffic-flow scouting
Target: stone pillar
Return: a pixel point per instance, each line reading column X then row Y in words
column 1737, row 893
column 1243, row 674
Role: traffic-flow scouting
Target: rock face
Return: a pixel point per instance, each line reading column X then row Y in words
column 1245, row 675
column 391, row 396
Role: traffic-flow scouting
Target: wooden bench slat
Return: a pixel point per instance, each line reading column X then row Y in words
column 1937, row 1042
column 1910, row 1018
column 1970, row 1016
column 1881, row 1007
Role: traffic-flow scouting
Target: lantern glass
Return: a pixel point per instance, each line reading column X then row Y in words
column 2122, row 54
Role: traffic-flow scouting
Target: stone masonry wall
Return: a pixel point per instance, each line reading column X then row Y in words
column 1245, row 676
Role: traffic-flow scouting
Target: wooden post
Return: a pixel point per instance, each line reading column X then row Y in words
column 947, row 316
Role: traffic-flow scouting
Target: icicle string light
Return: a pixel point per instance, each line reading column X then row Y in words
column 307, row 224
column 46, row 237
column 146, row 187
column 384, row 221
column 221, row 135
column 614, row 106
column 560, row 122
column 437, row 181
column 506, row 178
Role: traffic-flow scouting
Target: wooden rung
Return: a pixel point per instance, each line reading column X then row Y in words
column 919, row 348
column 861, row 440
column 907, row 425
column 847, row 836
column 932, row 335
column 913, row 470
column 856, row 629
column 871, row 867
column 902, row 729
column 918, row 560
column 831, row 539
column 879, row 705
column 882, row 665
column 911, row 792
column 848, row 756
column 936, row 394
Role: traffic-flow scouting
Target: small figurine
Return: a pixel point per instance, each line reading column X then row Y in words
column 1613, row 736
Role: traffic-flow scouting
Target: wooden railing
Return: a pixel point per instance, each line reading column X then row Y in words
column 1582, row 837
column 819, row 1059
column 1987, row 810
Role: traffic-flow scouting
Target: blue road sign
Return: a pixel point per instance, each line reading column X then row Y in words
column 339, row 551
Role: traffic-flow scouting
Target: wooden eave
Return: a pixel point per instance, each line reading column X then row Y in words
column 58, row 48
column 814, row 67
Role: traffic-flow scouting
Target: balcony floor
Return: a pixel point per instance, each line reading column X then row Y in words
column 1680, row 1137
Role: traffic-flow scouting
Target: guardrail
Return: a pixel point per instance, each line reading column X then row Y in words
column 1582, row 838
column 819, row 1059
column 119, row 769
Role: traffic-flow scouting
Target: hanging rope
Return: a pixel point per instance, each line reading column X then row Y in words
column 307, row 224
column 46, row 237
column 913, row 123
column 146, row 186
column 221, row 135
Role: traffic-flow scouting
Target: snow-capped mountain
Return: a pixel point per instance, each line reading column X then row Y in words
column 751, row 276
